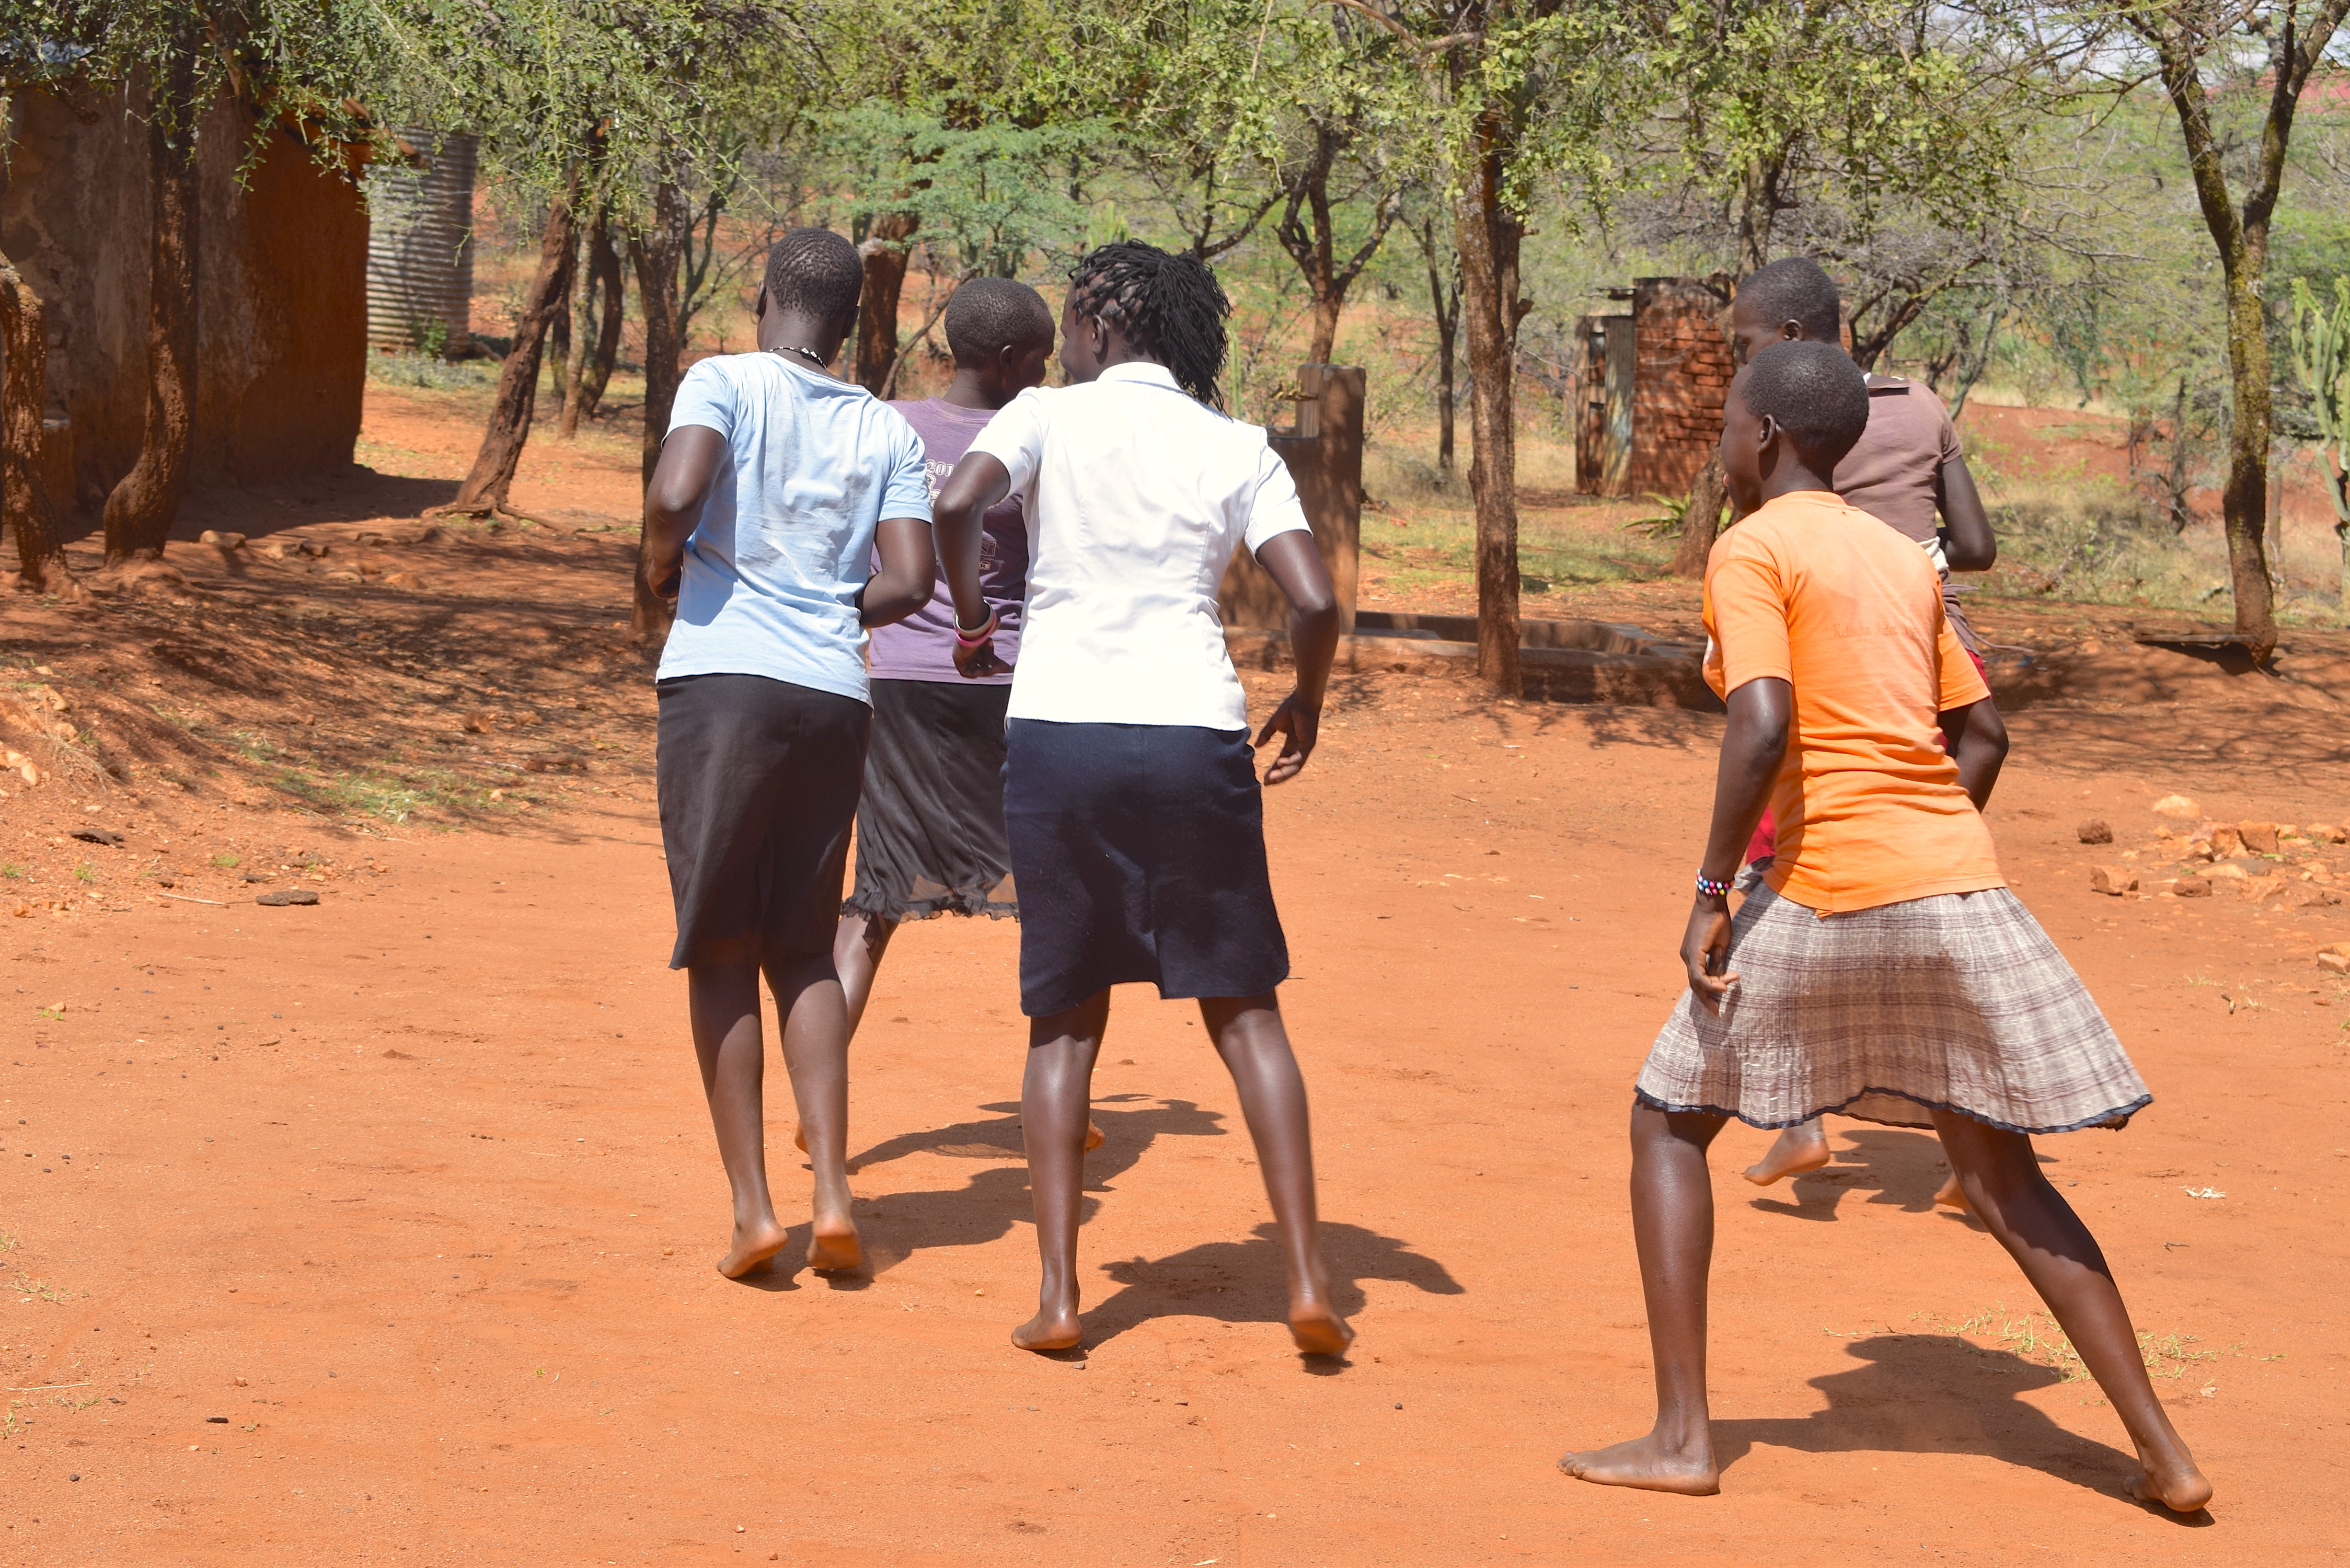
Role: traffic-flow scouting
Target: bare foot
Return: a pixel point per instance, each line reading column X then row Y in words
column 1054, row 1328
column 1949, row 1197
column 1093, row 1136
column 833, row 1247
column 752, row 1248
column 1318, row 1331
column 1798, row 1149
column 1644, row 1462
column 2179, row 1488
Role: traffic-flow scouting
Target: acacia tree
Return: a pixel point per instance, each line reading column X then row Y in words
column 1334, row 75
column 1444, row 306
column 601, row 298
column 484, row 491
column 602, row 107
column 2270, row 50
column 1494, row 96
column 1873, row 134
column 979, row 199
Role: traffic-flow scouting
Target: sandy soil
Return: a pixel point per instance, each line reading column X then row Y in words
column 293, row 1285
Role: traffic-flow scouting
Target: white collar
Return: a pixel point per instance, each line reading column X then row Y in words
column 1139, row 370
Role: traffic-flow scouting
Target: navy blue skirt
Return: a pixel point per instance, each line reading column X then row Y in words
column 1138, row 851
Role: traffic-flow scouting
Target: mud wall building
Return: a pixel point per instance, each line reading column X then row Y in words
column 1652, row 381
column 281, row 296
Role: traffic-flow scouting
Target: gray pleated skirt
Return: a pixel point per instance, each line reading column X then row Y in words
column 1958, row 1003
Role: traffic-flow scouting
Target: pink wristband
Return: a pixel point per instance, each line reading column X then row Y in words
column 973, row 639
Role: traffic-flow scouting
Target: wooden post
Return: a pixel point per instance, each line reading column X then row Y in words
column 1325, row 454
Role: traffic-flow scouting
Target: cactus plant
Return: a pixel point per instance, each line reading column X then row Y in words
column 2321, row 353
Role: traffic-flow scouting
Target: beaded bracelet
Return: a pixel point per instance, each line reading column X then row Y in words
column 1708, row 887
column 980, row 634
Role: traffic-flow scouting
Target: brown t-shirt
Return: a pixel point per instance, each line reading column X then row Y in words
column 1891, row 473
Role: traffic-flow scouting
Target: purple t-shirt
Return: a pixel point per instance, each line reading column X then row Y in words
column 921, row 646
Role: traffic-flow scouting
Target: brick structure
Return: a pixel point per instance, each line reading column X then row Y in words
column 1680, row 371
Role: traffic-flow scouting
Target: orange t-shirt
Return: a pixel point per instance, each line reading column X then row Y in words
column 1826, row 597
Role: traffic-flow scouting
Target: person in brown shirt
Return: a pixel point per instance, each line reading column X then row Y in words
column 1906, row 468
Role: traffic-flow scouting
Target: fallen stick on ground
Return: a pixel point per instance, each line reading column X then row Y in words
column 186, row 900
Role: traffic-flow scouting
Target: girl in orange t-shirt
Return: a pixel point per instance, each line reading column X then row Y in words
column 1883, row 969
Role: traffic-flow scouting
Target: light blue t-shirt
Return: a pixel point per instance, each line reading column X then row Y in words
column 785, row 538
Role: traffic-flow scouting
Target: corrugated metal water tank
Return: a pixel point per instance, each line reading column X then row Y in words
column 421, row 245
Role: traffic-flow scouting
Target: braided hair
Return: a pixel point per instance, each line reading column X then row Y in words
column 1167, row 306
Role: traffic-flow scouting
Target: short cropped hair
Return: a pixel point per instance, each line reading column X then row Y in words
column 813, row 270
column 1815, row 392
column 989, row 314
column 1796, row 289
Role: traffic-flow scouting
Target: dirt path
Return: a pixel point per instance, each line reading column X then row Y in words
column 415, row 1188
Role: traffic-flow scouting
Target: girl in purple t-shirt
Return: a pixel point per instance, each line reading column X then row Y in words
column 930, row 829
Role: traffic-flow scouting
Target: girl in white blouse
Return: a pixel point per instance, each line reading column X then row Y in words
column 1135, row 815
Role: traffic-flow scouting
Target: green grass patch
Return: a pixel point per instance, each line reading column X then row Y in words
column 431, row 371
column 2036, row 1338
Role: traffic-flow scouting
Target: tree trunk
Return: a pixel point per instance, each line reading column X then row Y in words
column 141, row 510
column 885, row 252
column 604, row 292
column 1484, row 238
column 1444, row 303
column 656, row 253
column 1313, row 245
column 23, row 395
column 2244, row 501
column 558, row 333
column 483, row 493
column 1701, row 519
column 1448, row 328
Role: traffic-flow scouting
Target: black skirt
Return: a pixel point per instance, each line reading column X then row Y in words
column 930, row 831
column 758, row 784
column 1139, row 853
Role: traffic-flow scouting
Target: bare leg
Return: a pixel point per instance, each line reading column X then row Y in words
column 816, row 1052
column 1672, row 1228
column 1950, row 1195
column 2003, row 1185
column 1800, row 1147
column 857, row 951
column 1255, row 1048
column 856, row 948
column 1054, row 1096
column 722, row 1001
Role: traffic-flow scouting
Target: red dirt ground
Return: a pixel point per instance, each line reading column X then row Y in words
column 279, row 1165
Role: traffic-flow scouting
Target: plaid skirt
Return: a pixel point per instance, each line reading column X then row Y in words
column 1957, row 1002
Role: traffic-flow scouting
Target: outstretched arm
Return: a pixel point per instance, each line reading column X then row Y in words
column 1972, row 546
column 688, row 460
column 978, row 482
column 1296, row 565
column 1979, row 745
column 1752, row 747
column 908, row 569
